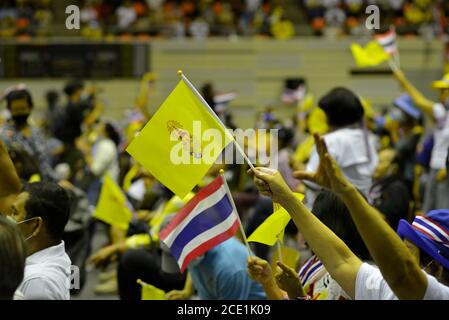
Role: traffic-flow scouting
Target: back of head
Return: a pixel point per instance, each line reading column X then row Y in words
column 12, row 258
column 342, row 107
column 19, row 94
column 73, row 86
column 51, row 202
column 335, row 215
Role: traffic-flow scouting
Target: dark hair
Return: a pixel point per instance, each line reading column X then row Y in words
column 72, row 86
column 52, row 97
column 52, row 203
column 342, row 107
column 335, row 215
column 18, row 95
column 112, row 133
column 12, row 257
column 285, row 137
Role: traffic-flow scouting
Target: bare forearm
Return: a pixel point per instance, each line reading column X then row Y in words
column 9, row 181
column 336, row 257
column 395, row 261
column 421, row 101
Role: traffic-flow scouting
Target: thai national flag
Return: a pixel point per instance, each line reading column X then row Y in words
column 203, row 223
column 388, row 41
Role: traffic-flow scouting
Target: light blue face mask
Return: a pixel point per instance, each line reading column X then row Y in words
column 17, row 223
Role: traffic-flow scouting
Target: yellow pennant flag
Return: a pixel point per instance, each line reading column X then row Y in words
column 112, row 206
column 371, row 55
column 180, row 142
column 272, row 229
column 289, row 257
column 150, row 292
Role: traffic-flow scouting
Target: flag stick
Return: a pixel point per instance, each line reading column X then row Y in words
column 392, row 65
column 239, row 148
column 278, row 244
column 236, row 212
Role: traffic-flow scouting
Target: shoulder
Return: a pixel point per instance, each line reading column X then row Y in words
column 370, row 284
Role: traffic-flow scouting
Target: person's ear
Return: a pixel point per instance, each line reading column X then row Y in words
column 38, row 225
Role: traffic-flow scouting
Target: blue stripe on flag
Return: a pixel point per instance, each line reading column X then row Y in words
column 204, row 221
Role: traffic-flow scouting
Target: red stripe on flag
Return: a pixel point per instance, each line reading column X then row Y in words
column 206, row 246
column 184, row 212
column 417, row 227
column 435, row 223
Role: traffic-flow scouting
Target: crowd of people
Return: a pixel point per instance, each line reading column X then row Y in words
column 199, row 19
column 374, row 223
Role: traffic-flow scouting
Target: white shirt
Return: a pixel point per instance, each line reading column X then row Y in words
column 105, row 159
column 441, row 137
column 348, row 148
column 126, row 16
column 370, row 285
column 47, row 275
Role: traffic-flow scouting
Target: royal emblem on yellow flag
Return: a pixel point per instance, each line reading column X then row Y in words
column 180, row 142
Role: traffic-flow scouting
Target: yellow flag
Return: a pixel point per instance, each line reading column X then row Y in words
column 371, row 55
column 289, row 257
column 180, row 142
column 112, row 206
column 272, row 229
column 150, row 292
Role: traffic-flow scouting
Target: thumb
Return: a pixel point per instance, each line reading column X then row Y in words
column 302, row 175
column 285, row 268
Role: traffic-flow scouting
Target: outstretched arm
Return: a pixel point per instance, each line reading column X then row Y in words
column 397, row 264
column 421, row 101
column 9, row 181
column 338, row 259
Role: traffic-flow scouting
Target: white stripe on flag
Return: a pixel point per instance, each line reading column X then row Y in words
column 204, row 204
column 419, row 225
column 206, row 236
column 433, row 225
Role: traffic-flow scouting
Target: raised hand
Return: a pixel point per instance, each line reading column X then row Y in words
column 259, row 270
column 287, row 279
column 270, row 183
column 328, row 174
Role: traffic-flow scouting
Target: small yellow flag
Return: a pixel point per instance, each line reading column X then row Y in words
column 371, row 55
column 272, row 229
column 112, row 206
column 180, row 142
column 150, row 292
column 289, row 257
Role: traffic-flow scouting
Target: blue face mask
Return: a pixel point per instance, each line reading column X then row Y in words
column 18, row 223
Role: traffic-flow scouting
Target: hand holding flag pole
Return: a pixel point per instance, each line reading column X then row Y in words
column 231, row 199
column 239, row 148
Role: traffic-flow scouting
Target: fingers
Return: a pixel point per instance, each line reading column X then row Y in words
column 289, row 271
column 302, row 175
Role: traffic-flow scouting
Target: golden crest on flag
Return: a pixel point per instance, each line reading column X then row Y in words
column 175, row 127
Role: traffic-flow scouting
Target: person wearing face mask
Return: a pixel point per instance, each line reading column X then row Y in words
column 437, row 186
column 41, row 212
column 20, row 134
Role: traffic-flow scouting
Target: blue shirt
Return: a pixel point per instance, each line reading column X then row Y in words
column 222, row 274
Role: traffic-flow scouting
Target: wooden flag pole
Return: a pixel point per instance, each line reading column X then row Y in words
column 191, row 86
column 278, row 245
column 236, row 212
